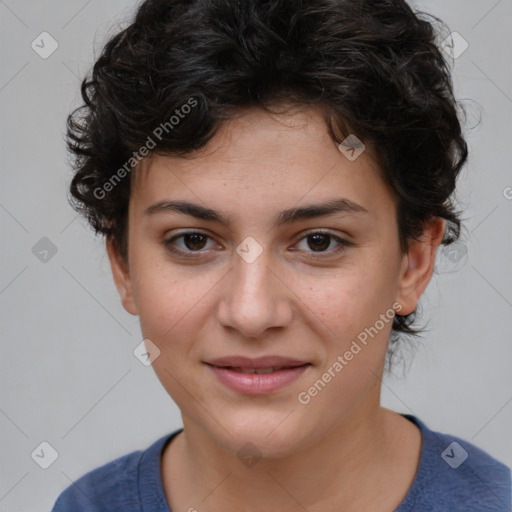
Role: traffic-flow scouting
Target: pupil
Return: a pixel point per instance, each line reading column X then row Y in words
column 317, row 241
column 191, row 241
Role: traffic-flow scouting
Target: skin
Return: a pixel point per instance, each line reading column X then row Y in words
column 342, row 450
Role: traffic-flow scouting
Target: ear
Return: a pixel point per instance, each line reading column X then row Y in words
column 122, row 278
column 418, row 265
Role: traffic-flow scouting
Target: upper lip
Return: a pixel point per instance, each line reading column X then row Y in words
column 258, row 362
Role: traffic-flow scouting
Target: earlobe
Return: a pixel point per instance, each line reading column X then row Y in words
column 122, row 278
column 418, row 265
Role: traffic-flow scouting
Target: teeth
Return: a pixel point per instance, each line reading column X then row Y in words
column 258, row 370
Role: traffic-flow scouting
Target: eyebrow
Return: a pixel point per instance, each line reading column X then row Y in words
column 341, row 205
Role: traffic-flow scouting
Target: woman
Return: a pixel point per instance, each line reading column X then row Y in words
column 273, row 180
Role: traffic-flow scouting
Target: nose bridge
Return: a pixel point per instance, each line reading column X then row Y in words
column 252, row 301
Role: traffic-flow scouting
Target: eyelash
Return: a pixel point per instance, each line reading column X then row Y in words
column 342, row 244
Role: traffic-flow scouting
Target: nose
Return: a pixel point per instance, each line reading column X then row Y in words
column 254, row 298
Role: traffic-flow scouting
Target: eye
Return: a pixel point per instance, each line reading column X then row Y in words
column 320, row 241
column 195, row 244
column 191, row 242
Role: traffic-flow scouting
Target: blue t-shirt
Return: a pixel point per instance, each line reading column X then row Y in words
column 453, row 476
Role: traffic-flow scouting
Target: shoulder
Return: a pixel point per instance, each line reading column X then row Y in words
column 114, row 486
column 455, row 475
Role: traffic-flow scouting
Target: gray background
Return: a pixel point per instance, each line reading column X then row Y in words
column 68, row 374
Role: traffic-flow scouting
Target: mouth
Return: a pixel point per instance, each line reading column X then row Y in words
column 257, row 376
column 258, row 363
column 258, row 370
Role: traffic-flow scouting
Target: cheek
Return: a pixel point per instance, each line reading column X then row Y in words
column 172, row 312
column 347, row 300
column 165, row 297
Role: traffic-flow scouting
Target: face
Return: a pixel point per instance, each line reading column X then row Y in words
column 250, row 269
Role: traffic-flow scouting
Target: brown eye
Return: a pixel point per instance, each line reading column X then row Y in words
column 188, row 243
column 319, row 241
column 194, row 241
column 319, row 244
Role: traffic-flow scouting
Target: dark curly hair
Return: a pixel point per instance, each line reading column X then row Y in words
column 372, row 67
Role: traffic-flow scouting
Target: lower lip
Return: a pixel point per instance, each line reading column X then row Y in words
column 257, row 383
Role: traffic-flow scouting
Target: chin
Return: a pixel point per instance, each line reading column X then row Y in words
column 262, row 435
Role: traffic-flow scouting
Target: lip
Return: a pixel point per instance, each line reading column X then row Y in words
column 255, row 363
column 256, row 383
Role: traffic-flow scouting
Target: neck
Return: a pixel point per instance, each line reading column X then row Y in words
column 353, row 467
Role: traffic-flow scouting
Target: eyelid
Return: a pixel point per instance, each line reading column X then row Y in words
column 342, row 242
column 169, row 241
column 324, row 231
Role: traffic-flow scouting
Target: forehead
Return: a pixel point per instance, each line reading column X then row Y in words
column 262, row 157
